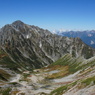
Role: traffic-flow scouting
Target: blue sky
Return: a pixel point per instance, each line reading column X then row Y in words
column 50, row 14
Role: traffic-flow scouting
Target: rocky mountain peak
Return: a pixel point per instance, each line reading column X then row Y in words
column 18, row 22
column 35, row 47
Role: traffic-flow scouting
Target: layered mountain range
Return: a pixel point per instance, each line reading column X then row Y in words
column 88, row 37
column 25, row 46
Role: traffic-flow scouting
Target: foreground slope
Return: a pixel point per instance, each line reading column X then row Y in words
column 66, row 76
column 80, row 79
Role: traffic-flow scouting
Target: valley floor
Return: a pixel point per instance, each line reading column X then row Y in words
column 42, row 82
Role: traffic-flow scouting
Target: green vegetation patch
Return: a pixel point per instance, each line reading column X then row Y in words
column 72, row 62
column 88, row 81
column 63, row 71
column 63, row 89
column 5, row 91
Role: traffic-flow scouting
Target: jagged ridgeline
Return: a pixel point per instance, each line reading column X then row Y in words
column 24, row 46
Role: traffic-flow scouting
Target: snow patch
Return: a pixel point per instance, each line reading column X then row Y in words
column 40, row 45
column 92, row 42
column 67, row 78
column 52, row 72
column 89, row 35
column 27, row 36
column 16, row 78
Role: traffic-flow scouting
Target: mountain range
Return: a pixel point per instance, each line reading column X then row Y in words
column 33, row 61
column 31, row 46
column 88, row 37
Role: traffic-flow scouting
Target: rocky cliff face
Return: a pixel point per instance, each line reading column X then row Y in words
column 29, row 46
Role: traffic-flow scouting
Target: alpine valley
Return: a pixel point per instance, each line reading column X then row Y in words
column 33, row 61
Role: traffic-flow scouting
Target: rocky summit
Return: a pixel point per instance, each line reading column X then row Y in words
column 33, row 61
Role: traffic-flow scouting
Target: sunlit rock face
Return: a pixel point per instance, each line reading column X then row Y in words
column 33, row 47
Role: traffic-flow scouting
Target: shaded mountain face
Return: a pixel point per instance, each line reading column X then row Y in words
column 87, row 37
column 28, row 47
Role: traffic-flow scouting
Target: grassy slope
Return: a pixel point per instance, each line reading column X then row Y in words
column 67, row 65
column 80, row 84
column 74, row 64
